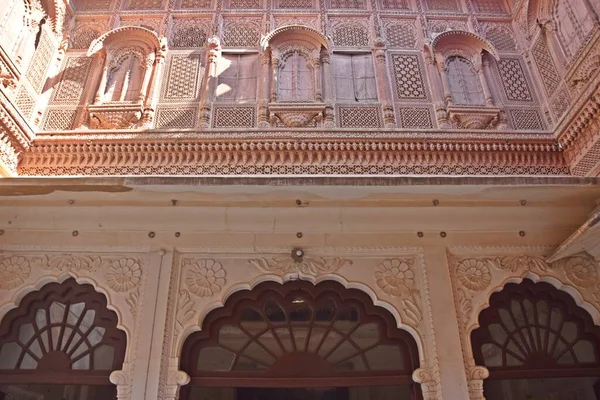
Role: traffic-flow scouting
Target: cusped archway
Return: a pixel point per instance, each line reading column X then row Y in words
column 299, row 335
column 535, row 341
column 60, row 342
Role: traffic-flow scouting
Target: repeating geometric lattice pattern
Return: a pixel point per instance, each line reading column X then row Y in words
column 269, row 169
column 359, row 117
column 74, row 78
column 93, row 5
column 176, row 117
column 59, row 120
column 501, row 39
column 145, row 4
column 489, row 6
column 347, row 4
column 241, row 35
column 417, row 118
column 589, row 162
column 394, row 4
column 83, row 38
column 36, row 74
column 234, row 117
column 188, row 36
column 350, row 36
column 408, row 77
column 527, row 120
column 442, row 5
column 560, row 103
column 183, row 77
column 513, row 80
column 244, row 3
column 400, row 35
column 295, row 4
column 25, row 102
column 195, row 3
column 545, row 64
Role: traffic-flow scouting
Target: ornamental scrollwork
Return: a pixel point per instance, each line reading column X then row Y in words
column 313, row 266
column 69, row 262
column 204, row 277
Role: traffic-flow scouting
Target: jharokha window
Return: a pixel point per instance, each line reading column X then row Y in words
column 300, row 341
column 296, row 78
column 61, row 343
column 464, row 82
column 537, row 344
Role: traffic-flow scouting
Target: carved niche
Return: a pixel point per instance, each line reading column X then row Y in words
column 461, row 58
column 130, row 57
column 295, row 56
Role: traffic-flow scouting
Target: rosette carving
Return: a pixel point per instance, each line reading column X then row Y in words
column 581, row 272
column 204, row 277
column 123, row 275
column 13, row 272
column 474, row 274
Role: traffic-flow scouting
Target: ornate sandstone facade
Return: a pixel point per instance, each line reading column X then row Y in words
column 258, row 87
column 272, row 220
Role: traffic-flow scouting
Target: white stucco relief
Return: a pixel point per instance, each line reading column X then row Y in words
column 119, row 276
column 477, row 272
column 203, row 279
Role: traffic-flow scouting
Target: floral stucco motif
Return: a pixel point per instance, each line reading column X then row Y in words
column 473, row 274
column 123, row 275
column 13, row 272
column 395, row 276
column 581, row 271
column 204, row 277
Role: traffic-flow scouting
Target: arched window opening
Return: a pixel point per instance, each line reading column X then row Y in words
column 60, row 343
column 537, row 343
column 300, row 341
column 296, row 78
column 125, row 79
column 463, row 81
column 575, row 23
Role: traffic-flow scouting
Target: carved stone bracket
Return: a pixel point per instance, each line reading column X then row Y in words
column 474, row 117
column 296, row 115
column 115, row 116
column 175, row 379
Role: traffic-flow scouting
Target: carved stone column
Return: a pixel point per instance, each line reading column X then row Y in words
column 383, row 85
column 439, row 102
column 175, row 380
column 274, row 67
column 444, row 78
column 317, row 77
column 428, row 384
column 327, row 76
column 148, row 69
column 263, row 89
column 102, row 86
column 123, row 382
column 476, row 375
column 484, row 85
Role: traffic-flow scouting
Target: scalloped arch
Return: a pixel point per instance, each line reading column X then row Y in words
column 124, row 34
column 44, row 280
column 555, row 282
column 176, row 351
column 464, row 39
column 305, row 30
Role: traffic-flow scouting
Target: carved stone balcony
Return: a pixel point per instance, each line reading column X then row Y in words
column 474, row 117
column 296, row 115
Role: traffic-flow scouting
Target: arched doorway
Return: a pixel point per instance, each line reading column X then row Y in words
column 537, row 344
column 61, row 343
column 300, row 341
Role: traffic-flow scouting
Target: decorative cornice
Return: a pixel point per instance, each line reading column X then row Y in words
column 237, row 157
